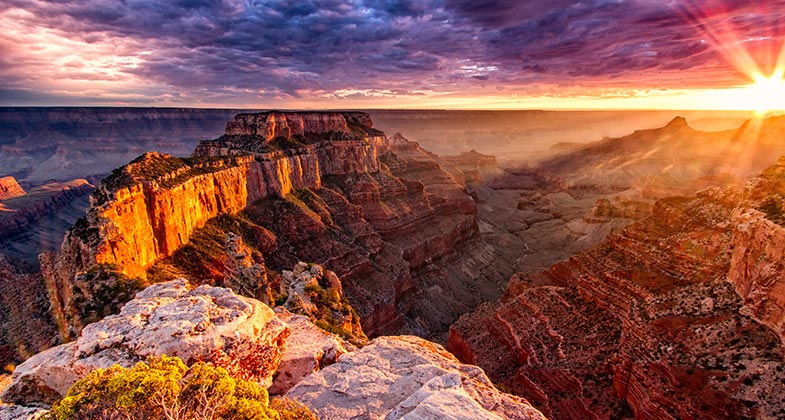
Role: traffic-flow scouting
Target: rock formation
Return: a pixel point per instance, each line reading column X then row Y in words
column 245, row 272
column 677, row 316
column 25, row 321
column 406, row 377
column 389, row 221
column 309, row 349
column 9, row 188
column 16, row 412
column 318, row 294
column 202, row 324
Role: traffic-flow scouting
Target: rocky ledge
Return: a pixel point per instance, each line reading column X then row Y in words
column 397, row 377
column 202, row 324
column 406, row 377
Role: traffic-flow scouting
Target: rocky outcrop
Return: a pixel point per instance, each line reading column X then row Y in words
column 474, row 166
column 309, row 349
column 390, row 223
column 669, row 318
column 16, row 412
column 345, row 143
column 245, row 272
column 757, row 270
column 9, row 188
column 202, row 324
column 318, row 294
column 406, row 377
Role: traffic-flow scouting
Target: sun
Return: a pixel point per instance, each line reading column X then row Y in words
column 767, row 94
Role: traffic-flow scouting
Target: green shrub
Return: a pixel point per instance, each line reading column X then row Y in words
column 164, row 388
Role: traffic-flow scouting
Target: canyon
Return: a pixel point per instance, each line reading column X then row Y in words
column 669, row 318
column 632, row 277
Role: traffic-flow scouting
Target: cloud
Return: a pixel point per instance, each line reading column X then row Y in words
column 264, row 50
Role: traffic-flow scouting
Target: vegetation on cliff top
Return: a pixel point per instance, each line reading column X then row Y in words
column 165, row 388
column 168, row 171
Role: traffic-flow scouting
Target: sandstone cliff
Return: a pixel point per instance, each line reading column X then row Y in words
column 389, row 221
column 677, row 316
column 9, row 188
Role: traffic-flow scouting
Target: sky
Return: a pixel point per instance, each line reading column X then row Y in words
column 470, row 54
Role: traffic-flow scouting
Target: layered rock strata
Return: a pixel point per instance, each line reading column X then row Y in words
column 37, row 220
column 387, row 220
column 25, row 321
column 677, row 316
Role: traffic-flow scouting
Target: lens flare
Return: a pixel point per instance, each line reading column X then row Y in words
column 756, row 58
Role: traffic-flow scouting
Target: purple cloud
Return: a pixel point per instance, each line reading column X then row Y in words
column 281, row 49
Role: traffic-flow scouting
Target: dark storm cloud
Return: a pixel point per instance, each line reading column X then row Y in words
column 281, row 47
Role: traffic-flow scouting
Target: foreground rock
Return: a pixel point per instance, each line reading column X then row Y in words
column 406, row 377
column 308, row 350
column 202, row 324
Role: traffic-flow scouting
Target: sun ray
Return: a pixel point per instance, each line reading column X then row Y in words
column 765, row 91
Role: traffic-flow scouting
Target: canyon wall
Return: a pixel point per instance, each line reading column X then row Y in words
column 270, row 125
column 678, row 316
column 150, row 208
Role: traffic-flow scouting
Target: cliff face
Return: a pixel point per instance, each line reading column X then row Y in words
column 677, row 316
column 290, row 124
column 390, row 226
column 133, row 226
column 757, row 270
column 9, row 188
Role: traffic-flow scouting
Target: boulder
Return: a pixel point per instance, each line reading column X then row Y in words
column 406, row 377
column 196, row 324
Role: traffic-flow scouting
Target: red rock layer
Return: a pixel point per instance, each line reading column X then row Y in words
column 9, row 188
column 288, row 124
column 649, row 321
column 26, row 324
